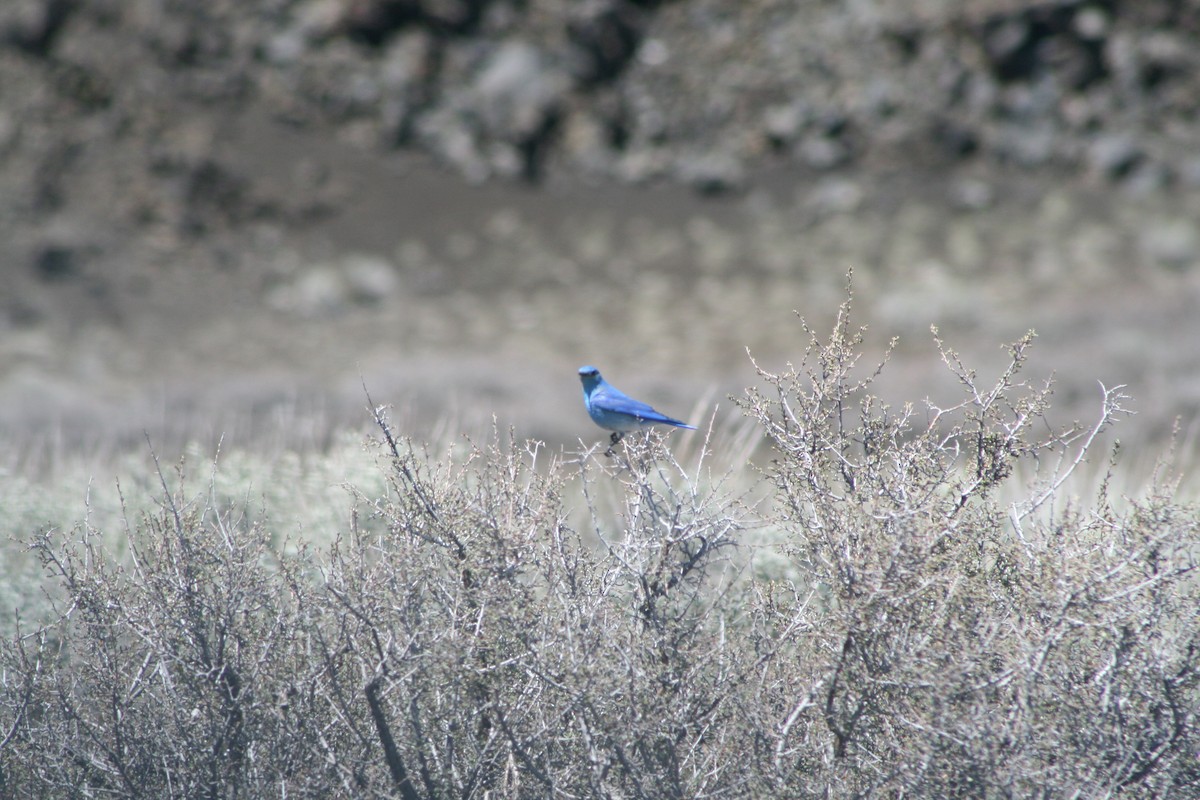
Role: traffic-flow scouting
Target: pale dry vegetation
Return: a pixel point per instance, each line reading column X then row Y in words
column 508, row 622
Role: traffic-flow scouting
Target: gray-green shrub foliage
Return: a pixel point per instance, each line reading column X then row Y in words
column 509, row 623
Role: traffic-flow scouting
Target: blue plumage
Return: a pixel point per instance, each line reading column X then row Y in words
column 613, row 410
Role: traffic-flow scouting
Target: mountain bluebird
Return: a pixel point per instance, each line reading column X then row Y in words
column 613, row 410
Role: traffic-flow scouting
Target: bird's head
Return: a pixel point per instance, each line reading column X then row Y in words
column 590, row 377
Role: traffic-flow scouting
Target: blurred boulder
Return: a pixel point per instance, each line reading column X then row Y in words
column 33, row 25
column 1172, row 243
column 715, row 172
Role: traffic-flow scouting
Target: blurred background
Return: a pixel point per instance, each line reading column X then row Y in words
column 223, row 218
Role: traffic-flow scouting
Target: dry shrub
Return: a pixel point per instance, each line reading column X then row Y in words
column 159, row 672
column 955, row 647
column 504, row 622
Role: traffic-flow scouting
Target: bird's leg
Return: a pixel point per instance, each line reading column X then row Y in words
column 616, row 437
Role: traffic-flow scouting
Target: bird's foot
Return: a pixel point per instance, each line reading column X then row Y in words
column 614, row 439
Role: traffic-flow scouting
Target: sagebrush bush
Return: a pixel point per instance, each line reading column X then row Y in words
column 506, row 622
column 958, row 647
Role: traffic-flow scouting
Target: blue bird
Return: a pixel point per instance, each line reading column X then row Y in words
column 613, row 410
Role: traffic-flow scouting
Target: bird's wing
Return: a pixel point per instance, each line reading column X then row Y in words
column 610, row 399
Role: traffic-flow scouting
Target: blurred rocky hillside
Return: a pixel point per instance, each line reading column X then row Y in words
column 109, row 109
